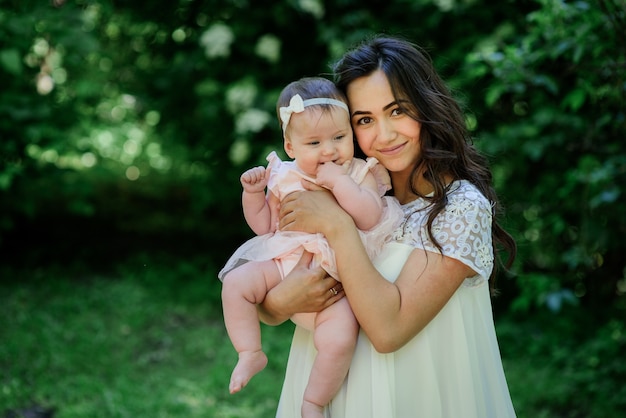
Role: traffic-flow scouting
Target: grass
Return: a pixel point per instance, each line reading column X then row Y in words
column 147, row 340
column 145, row 343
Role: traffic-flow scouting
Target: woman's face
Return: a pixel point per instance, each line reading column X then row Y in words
column 381, row 127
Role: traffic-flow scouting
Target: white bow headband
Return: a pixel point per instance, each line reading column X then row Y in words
column 297, row 105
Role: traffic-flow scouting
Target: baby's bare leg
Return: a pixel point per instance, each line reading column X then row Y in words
column 243, row 288
column 335, row 335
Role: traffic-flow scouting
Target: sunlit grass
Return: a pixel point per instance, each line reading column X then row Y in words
column 126, row 347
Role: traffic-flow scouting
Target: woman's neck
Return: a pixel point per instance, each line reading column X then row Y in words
column 404, row 193
column 402, row 189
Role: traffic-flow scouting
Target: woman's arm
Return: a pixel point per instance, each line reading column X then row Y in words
column 390, row 313
column 304, row 289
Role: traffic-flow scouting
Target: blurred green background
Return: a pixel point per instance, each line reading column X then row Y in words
column 124, row 127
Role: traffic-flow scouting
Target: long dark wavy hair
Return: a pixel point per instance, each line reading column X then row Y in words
column 446, row 146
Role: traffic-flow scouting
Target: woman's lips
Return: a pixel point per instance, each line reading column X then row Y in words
column 392, row 150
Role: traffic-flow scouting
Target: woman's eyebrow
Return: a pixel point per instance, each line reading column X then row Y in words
column 360, row 112
column 367, row 112
column 394, row 103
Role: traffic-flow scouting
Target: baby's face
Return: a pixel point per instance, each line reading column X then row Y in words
column 317, row 136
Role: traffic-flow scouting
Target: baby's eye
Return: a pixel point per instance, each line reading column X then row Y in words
column 339, row 137
column 313, row 143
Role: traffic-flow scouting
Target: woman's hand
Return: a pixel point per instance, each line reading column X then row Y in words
column 312, row 212
column 304, row 289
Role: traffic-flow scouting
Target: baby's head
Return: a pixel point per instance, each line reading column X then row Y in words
column 315, row 120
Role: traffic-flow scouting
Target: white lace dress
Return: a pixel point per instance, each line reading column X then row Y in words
column 452, row 368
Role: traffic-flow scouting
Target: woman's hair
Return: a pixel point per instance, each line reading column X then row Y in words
column 310, row 88
column 445, row 143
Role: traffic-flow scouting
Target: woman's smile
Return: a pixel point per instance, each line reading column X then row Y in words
column 393, row 150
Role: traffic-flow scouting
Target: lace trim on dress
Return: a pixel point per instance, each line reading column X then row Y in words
column 463, row 229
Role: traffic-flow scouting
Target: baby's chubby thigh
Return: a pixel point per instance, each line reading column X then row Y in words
column 339, row 315
column 285, row 264
column 336, row 329
column 305, row 320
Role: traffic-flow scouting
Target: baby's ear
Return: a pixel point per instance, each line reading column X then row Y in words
column 288, row 147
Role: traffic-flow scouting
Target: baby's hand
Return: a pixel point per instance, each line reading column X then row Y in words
column 255, row 179
column 328, row 173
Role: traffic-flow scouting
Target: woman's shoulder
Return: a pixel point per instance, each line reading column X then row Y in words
column 464, row 189
column 461, row 195
column 462, row 229
column 464, row 196
column 467, row 211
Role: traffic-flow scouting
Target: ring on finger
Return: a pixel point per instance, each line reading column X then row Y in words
column 333, row 291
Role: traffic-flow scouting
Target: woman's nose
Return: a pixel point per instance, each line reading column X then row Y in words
column 386, row 131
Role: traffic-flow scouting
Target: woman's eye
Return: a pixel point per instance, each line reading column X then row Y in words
column 397, row 111
column 364, row 121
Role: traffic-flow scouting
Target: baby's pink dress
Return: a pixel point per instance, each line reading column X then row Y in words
column 286, row 247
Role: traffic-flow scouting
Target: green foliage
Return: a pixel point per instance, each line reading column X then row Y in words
column 125, row 100
column 553, row 114
column 596, row 370
column 574, row 364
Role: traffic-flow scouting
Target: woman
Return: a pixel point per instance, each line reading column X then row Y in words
column 427, row 346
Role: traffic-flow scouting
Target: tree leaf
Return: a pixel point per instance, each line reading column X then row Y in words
column 11, row 61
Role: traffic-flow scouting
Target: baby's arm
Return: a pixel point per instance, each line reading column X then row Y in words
column 361, row 201
column 256, row 209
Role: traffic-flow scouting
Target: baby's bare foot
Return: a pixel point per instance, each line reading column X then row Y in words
column 311, row 410
column 249, row 364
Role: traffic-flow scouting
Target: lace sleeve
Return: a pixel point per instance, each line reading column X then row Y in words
column 463, row 230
